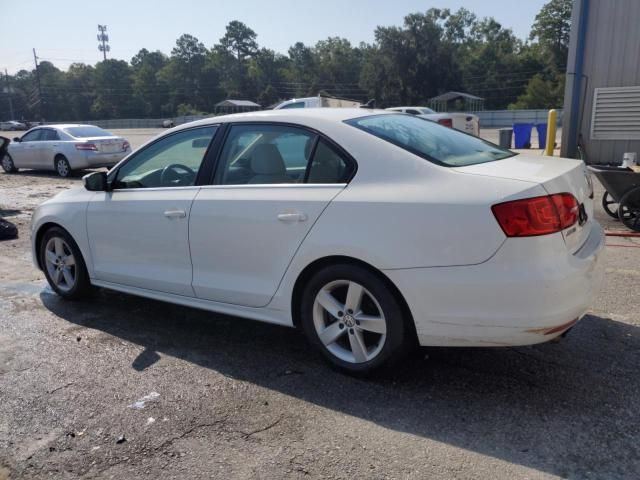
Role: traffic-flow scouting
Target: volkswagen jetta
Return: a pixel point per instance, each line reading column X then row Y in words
column 371, row 231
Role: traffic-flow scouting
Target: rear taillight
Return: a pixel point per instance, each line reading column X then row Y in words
column 125, row 146
column 538, row 215
column 86, row 146
column 447, row 122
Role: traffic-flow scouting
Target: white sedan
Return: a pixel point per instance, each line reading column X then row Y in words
column 465, row 122
column 371, row 231
column 64, row 148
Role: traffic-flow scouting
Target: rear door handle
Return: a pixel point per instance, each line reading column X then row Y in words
column 176, row 213
column 292, row 217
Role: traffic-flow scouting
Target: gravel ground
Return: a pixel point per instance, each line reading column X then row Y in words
column 123, row 387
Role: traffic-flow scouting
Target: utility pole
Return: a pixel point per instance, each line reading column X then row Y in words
column 40, row 99
column 103, row 38
column 6, row 76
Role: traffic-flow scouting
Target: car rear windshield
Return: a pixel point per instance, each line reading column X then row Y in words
column 86, row 132
column 436, row 143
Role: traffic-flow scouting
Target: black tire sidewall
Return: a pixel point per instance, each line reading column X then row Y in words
column 612, row 214
column 82, row 286
column 623, row 201
column 13, row 168
column 395, row 342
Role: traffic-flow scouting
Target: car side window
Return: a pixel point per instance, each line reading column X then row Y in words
column 294, row 105
column 32, row 136
column 49, row 135
column 265, row 154
column 172, row 161
column 412, row 111
column 328, row 166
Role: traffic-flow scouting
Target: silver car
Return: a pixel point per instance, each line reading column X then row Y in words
column 65, row 148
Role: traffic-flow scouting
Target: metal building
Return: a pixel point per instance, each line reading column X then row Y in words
column 602, row 93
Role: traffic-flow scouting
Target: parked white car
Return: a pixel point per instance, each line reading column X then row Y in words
column 465, row 122
column 64, row 148
column 371, row 231
column 12, row 125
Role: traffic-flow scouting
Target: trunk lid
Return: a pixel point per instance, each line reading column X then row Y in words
column 107, row 144
column 556, row 175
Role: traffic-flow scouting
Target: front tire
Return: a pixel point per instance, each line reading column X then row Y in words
column 352, row 317
column 8, row 165
column 62, row 166
column 610, row 205
column 63, row 265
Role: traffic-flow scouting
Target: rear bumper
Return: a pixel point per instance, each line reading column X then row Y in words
column 97, row 160
column 529, row 292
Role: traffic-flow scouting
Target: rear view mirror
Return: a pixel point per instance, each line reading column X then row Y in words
column 95, row 182
column 200, row 143
column 17, row 139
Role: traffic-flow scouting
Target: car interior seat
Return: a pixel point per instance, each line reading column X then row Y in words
column 268, row 166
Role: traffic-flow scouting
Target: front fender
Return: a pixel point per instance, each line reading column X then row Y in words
column 68, row 210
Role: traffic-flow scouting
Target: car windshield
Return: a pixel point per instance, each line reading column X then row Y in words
column 436, row 143
column 86, row 132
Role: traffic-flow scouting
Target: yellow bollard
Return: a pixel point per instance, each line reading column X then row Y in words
column 551, row 133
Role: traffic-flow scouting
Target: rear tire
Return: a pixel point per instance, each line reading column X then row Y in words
column 62, row 166
column 352, row 317
column 63, row 265
column 8, row 165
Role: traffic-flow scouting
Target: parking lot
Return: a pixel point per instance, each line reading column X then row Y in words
column 124, row 387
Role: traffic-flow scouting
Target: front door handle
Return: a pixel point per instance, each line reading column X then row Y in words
column 290, row 217
column 176, row 213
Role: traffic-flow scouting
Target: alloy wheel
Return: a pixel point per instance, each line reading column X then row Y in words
column 60, row 263
column 62, row 167
column 7, row 163
column 349, row 321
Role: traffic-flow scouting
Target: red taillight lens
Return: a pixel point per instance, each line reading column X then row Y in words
column 447, row 122
column 125, row 146
column 86, row 146
column 537, row 216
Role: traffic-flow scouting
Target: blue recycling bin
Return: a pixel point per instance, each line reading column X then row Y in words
column 542, row 134
column 522, row 134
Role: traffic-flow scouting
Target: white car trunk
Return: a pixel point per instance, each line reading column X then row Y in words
column 556, row 175
column 106, row 144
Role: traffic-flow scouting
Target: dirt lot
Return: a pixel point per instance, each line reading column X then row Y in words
column 122, row 387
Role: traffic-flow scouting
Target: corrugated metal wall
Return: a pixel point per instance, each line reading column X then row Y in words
column 612, row 59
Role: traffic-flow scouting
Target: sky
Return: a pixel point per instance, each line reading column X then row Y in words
column 65, row 31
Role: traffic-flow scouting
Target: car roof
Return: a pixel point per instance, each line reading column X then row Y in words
column 302, row 116
column 68, row 125
column 394, row 108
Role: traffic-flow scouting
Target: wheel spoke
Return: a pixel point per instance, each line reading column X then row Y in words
column 58, row 245
column 57, row 276
column 332, row 333
column 358, row 347
column 354, row 297
column 51, row 256
column 329, row 303
column 68, row 278
column 371, row 323
column 69, row 260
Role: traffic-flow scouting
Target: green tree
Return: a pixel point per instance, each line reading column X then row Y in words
column 551, row 30
column 114, row 95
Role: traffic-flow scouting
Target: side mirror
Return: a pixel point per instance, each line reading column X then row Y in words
column 17, row 139
column 95, row 182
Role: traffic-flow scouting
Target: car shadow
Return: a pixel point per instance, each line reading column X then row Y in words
column 559, row 407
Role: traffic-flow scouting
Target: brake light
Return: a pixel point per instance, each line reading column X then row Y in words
column 447, row 122
column 538, row 215
column 86, row 146
column 125, row 146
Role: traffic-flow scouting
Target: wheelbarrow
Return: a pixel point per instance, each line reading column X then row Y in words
column 621, row 199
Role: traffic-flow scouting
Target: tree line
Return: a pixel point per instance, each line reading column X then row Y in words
column 431, row 53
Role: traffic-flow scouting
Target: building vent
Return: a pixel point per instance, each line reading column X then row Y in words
column 616, row 114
